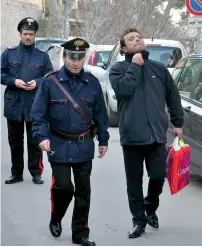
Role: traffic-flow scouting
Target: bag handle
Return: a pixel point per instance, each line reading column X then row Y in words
column 175, row 143
column 178, row 143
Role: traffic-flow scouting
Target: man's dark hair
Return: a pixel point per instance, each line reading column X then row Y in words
column 129, row 30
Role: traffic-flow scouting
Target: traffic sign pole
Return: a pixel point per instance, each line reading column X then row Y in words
column 198, row 44
column 195, row 8
column 196, row 22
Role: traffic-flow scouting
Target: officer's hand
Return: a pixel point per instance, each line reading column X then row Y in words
column 177, row 132
column 20, row 83
column 102, row 151
column 45, row 145
column 137, row 59
column 31, row 85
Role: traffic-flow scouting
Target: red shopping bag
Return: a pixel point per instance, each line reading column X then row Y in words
column 178, row 165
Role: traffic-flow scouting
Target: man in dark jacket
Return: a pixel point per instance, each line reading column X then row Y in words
column 22, row 70
column 142, row 89
column 64, row 129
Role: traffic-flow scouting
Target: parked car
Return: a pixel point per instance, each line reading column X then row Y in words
column 98, row 55
column 55, row 52
column 188, row 77
column 43, row 43
column 96, row 59
column 159, row 50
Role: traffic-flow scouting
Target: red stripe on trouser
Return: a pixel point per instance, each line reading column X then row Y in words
column 51, row 191
column 41, row 167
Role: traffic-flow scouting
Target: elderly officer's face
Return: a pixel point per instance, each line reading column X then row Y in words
column 133, row 43
column 74, row 65
column 27, row 37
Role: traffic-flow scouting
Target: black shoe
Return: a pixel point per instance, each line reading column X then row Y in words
column 153, row 220
column 37, row 180
column 83, row 242
column 14, row 179
column 136, row 231
column 55, row 229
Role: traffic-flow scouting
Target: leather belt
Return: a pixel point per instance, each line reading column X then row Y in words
column 77, row 138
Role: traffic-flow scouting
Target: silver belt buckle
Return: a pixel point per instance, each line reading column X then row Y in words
column 81, row 138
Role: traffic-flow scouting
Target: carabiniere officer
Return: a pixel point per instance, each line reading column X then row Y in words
column 22, row 70
column 69, row 138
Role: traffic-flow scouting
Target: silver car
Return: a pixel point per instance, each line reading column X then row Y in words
column 43, row 43
column 188, row 77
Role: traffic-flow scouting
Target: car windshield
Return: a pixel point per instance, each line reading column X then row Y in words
column 167, row 55
column 45, row 44
column 102, row 57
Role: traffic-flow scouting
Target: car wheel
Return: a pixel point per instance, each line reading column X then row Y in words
column 113, row 116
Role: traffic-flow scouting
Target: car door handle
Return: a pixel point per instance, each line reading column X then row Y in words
column 187, row 109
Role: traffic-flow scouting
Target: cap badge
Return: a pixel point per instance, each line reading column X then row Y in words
column 30, row 21
column 78, row 43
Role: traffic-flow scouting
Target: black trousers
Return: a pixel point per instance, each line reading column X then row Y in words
column 155, row 159
column 16, row 142
column 62, row 191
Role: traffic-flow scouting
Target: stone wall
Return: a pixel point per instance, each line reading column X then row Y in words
column 12, row 11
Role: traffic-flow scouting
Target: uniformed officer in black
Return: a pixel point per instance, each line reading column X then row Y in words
column 68, row 139
column 22, row 70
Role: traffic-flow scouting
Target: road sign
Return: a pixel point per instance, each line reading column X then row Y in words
column 194, row 7
column 195, row 22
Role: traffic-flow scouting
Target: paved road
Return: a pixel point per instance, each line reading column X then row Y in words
column 26, row 207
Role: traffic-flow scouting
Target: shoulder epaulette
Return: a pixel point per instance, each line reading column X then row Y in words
column 50, row 73
column 12, row 47
column 92, row 76
column 90, row 73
